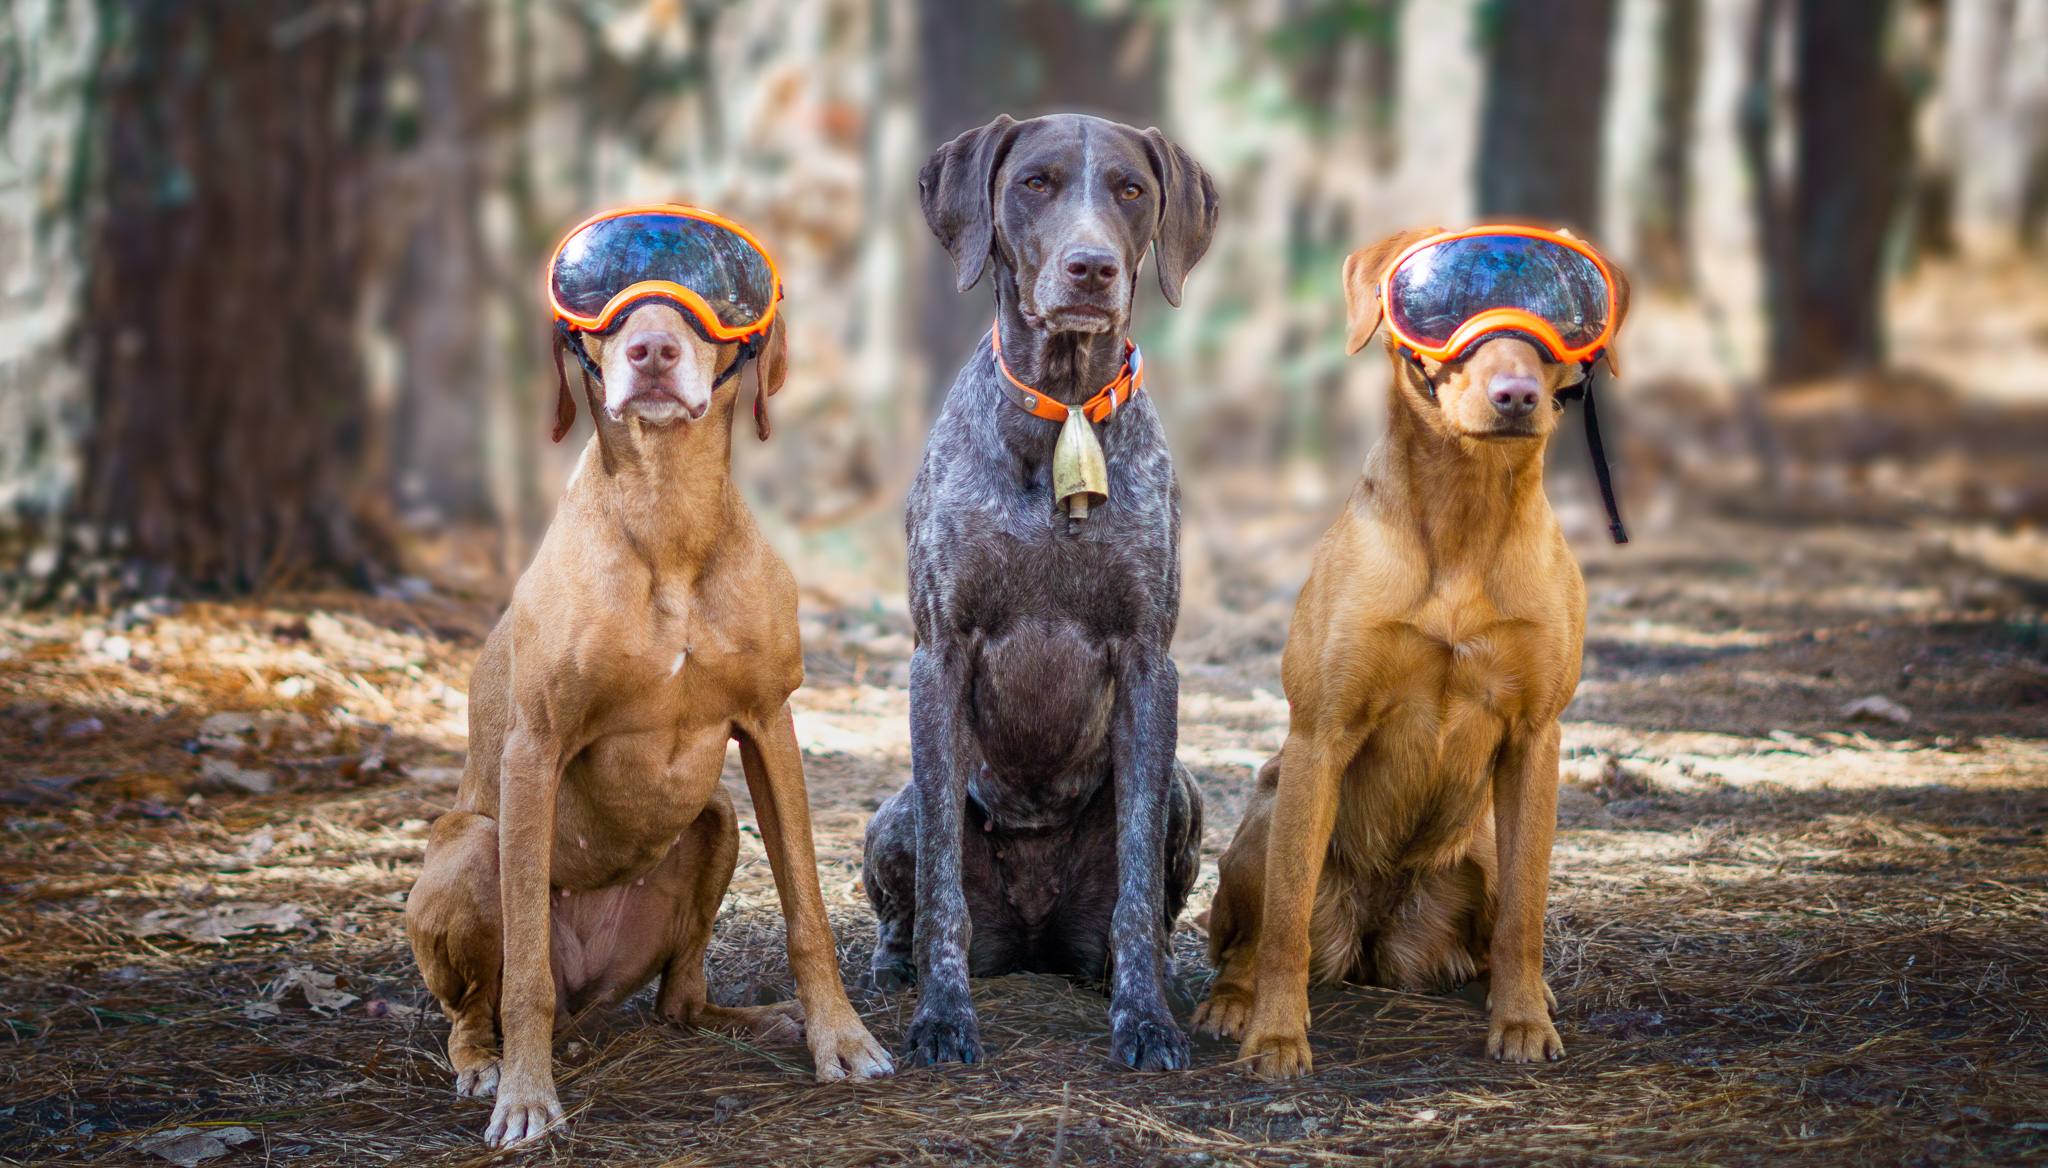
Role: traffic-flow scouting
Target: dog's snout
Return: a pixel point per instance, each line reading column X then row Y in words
column 1092, row 267
column 652, row 351
column 1514, row 395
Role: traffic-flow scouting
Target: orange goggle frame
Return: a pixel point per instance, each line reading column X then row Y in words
column 1499, row 318
column 703, row 310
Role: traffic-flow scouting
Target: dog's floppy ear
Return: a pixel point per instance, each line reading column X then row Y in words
column 1187, row 213
column 953, row 189
column 1362, row 272
column 565, row 402
column 771, row 368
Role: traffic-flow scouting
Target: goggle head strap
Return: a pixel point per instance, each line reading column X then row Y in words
column 1422, row 371
column 1583, row 391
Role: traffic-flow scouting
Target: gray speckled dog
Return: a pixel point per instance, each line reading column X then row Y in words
column 1047, row 826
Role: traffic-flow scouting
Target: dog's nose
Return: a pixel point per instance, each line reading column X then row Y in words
column 1092, row 268
column 1514, row 395
column 652, row 351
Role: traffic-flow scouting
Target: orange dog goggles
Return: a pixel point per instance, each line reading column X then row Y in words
column 708, row 266
column 1449, row 290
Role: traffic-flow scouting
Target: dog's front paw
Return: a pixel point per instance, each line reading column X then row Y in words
column 1523, row 1040
column 950, row 1036
column 1147, row 1040
column 525, row 1111
column 846, row 1051
column 1223, row 1013
column 893, row 976
column 478, row 1080
column 1277, row 1054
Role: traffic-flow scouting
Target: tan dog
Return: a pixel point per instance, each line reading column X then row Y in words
column 591, row 841
column 1402, row 837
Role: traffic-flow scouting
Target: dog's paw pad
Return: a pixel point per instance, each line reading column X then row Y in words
column 853, row 1054
column 944, row 1040
column 478, row 1080
column 1534, row 1041
column 1148, row 1044
column 1278, row 1056
column 1223, row 1014
column 893, row 977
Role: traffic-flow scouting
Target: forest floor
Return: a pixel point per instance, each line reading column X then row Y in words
column 1778, row 933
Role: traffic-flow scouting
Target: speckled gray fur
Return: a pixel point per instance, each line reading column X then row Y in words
column 1047, row 826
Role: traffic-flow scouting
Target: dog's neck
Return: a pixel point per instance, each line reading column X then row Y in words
column 1069, row 368
column 1464, row 494
column 667, row 489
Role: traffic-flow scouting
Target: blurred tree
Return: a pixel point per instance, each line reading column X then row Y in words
column 1994, row 132
column 1666, row 214
column 980, row 58
column 1823, row 223
column 49, row 50
column 231, row 405
column 1546, row 88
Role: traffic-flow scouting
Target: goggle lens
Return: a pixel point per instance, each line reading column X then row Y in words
column 605, row 258
column 1442, row 286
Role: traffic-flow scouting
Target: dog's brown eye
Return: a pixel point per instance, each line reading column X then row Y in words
column 1034, row 183
column 1132, row 191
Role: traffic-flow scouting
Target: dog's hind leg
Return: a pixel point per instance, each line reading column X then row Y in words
column 453, row 922
column 1434, row 939
column 698, row 870
column 888, row 874
column 1183, row 843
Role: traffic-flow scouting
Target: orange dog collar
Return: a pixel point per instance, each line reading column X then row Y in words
column 1129, row 380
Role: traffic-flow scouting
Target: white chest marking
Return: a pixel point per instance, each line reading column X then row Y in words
column 681, row 658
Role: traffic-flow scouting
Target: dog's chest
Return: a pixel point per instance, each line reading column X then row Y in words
column 687, row 659
column 1452, row 670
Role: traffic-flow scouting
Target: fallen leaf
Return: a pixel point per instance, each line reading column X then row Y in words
column 186, row 1146
column 435, row 778
column 1878, row 708
column 319, row 989
column 33, row 789
column 224, row 731
column 222, row 772
column 221, row 921
column 259, row 1011
column 259, row 845
column 383, row 1008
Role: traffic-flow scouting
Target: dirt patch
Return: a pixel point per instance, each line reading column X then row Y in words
column 1779, row 932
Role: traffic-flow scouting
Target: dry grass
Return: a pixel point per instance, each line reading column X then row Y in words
column 1776, row 936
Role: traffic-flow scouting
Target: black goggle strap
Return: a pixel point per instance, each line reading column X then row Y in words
column 1421, row 370
column 1584, row 391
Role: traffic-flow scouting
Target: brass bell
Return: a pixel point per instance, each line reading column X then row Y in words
column 1080, row 475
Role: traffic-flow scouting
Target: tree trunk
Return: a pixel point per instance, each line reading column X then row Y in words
column 230, row 400
column 1666, row 221
column 1823, row 226
column 1994, row 90
column 1546, row 88
column 980, row 58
